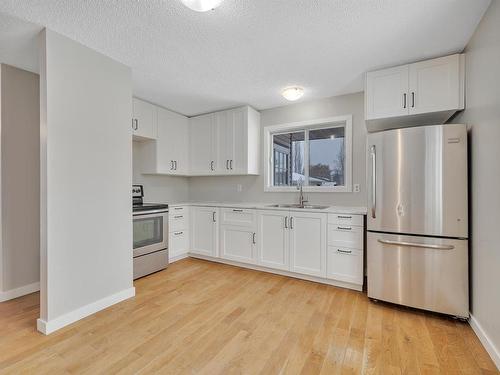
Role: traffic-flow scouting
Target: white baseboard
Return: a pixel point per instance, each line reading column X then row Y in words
column 316, row 279
column 75, row 315
column 18, row 292
column 178, row 257
column 485, row 340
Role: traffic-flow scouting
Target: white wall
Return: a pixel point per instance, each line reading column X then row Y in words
column 86, row 177
column 225, row 188
column 482, row 114
column 20, row 176
column 159, row 189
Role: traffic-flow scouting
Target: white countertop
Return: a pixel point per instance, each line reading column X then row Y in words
column 267, row 206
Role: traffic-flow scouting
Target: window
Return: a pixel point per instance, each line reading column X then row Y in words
column 314, row 153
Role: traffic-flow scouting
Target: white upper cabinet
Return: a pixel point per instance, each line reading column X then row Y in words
column 387, row 93
column 168, row 153
column 435, row 85
column 144, row 120
column 225, row 143
column 203, row 145
column 426, row 92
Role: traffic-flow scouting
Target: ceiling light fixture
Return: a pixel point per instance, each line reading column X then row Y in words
column 202, row 5
column 292, row 93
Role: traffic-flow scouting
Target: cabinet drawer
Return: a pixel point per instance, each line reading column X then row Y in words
column 178, row 242
column 177, row 210
column 345, row 236
column 345, row 219
column 344, row 264
column 178, row 222
column 238, row 216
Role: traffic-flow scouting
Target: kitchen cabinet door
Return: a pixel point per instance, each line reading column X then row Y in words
column 171, row 147
column 308, row 233
column 435, row 85
column 202, row 143
column 225, row 142
column 204, row 231
column 386, row 93
column 273, row 239
column 237, row 243
column 238, row 118
column 144, row 121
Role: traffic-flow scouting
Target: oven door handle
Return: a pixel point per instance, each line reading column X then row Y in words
column 152, row 212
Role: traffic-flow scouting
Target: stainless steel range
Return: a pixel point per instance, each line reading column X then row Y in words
column 150, row 234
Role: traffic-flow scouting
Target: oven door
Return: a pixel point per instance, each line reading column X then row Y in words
column 150, row 232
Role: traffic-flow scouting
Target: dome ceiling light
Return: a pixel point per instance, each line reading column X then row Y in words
column 292, row 93
column 202, row 5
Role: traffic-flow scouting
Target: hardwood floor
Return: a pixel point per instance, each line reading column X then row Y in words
column 207, row 318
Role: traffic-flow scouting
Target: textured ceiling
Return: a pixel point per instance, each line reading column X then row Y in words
column 246, row 51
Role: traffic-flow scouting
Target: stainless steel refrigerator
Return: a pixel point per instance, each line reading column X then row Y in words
column 417, row 241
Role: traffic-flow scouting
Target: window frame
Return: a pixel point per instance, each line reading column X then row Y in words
column 322, row 123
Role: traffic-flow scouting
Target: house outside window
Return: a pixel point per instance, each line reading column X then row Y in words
column 316, row 154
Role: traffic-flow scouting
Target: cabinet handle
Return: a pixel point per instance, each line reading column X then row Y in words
column 227, row 164
column 231, row 164
column 213, row 217
column 253, row 238
column 178, row 233
column 178, row 217
column 175, row 164
column 135, row 124
column 344, row 251
column 212, row 165
column 344, row 228
column 291, row 222
column 235, row 210
column 177, row 208
column 413, row 99
column 344, row 217
column 404, row 100
column 286, row 222
column 171, row 165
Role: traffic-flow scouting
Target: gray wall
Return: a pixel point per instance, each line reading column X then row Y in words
column 159, row 189
column 225, row 188
column 482, row 114
column 20, row 178
column 86, row 176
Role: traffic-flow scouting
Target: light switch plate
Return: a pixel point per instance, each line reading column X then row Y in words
column 239, row 188
column 357, row 188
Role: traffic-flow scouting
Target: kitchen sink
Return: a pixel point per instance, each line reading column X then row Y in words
column 306, row 206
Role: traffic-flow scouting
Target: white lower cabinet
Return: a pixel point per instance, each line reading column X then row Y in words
column 237, row 243
column 204, row 231
column 273, row 240
column 308, row 243
column 178, row 232
column 237, row 235
column 327, row 247
column 345, row 264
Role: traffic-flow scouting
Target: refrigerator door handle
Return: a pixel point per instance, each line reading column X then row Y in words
column 374, row 180
column 413, row 244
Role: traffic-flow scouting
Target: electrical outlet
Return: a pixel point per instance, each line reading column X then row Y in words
column 239, row 188
column 357, row 188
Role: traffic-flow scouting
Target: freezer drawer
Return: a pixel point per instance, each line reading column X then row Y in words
column 423, row 272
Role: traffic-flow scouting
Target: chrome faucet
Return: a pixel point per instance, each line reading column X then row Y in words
column 302, row 200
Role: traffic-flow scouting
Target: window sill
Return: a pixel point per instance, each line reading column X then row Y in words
column 308, row 189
